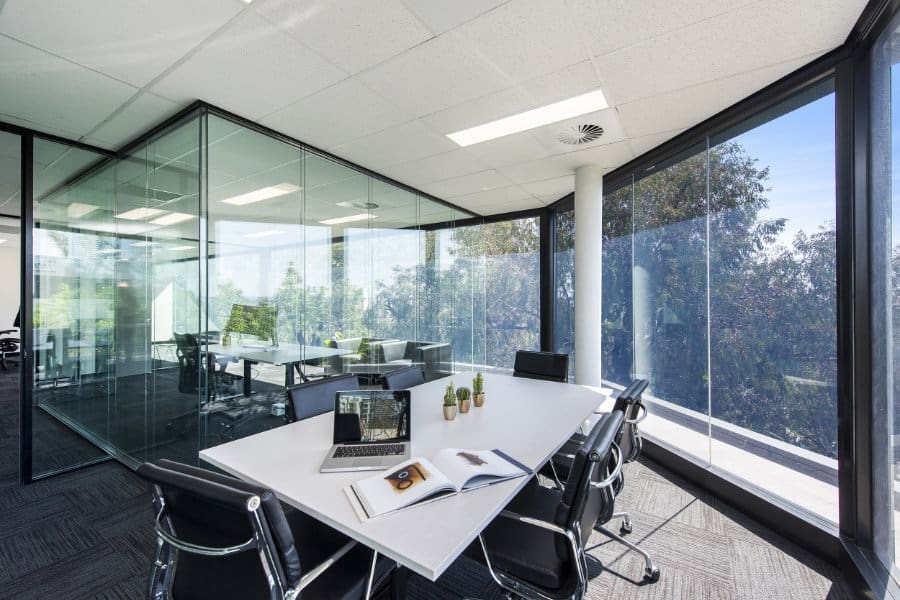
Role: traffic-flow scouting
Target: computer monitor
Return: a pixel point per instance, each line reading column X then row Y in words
column 258, row 321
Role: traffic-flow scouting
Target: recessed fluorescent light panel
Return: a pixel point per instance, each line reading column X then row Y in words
column 350, row 219
column 141, row 244
column 538, row 117
column 172, row 219
column 262, row 234
column 108, row 251
column 2, row 240
column 139, row 214
column 76, row 210
column 173, row 248
column 262, row 194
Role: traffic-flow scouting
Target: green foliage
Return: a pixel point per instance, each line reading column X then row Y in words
column 449, row 395
column 478, row 383
column 463, row 393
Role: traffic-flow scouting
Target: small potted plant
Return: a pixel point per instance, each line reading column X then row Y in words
column 478, row 389
column 449, row 403
column 464, row 396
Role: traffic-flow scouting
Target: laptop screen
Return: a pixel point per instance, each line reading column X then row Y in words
column 367, row 416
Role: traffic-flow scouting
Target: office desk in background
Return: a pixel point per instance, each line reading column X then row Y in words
column 527, row 419
column 289, row 355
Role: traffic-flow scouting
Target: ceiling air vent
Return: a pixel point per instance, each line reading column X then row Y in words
column 580, row 134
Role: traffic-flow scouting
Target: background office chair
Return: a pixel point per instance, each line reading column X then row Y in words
column 314, row 398
column 191, row 359
column 542, row 365
column 403, row 379
column 535, row 548
column 219, row 537
column 9, row 345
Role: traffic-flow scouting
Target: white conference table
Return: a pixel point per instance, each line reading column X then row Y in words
column 526, row 418
column 288, row 355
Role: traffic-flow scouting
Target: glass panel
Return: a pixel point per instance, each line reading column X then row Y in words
column 772, row 301
column 885, row 253
column 10, row 229
column 564, row 272
column 512, row 289
column 669, row 285
column 74, row 255
column 617, row 352
column 256, row 270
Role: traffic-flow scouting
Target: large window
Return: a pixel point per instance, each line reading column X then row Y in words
column 564, row 273
column 885, row 243
column 719, row 288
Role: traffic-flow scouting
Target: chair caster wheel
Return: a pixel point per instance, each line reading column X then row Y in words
column 626, row 528
column 651, row 574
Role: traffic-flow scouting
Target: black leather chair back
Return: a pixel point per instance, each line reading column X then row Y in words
column 582, row 505
column 209, row 509
column 314, row 398
column 542, row 365
column 632, row 407
column 187, row 349
column 403, row 379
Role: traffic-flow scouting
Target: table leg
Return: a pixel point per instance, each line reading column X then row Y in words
column 248, row 373
column 399, row 577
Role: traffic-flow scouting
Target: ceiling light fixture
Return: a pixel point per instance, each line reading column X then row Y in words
column 76, row 210
column 141, row 244
column 108, row 251
column 350, row 219
column 172, row 219
column 173, row 248
column 262, row 194
column 538, row 117
column 2, row 240
column 262, row 234
column 139, row 214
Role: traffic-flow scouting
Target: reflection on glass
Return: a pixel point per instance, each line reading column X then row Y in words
column 885, row 253
column 564, row 269
column 617, row 354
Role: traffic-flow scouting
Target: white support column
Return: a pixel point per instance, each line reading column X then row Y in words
column 588, row 270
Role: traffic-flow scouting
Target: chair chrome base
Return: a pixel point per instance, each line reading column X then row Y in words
column 651, row 571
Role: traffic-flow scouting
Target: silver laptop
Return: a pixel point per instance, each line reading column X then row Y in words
column 371, row 430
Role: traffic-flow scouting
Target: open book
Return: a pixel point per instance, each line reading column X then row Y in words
column 450, row 471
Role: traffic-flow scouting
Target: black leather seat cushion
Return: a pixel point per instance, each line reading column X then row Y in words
column 525, row 551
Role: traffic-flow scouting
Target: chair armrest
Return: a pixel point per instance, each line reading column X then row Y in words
column 508, row 514
column 319, row 569
column 641, row 415
column 615, row 472
column 197, row 549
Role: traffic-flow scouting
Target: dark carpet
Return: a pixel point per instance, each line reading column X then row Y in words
column 88, row 534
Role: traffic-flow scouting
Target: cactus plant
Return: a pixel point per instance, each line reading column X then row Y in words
column 478, row 383
column 465, row 399
column 449, row 396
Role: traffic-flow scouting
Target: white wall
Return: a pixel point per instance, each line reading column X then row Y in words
column 9, row 281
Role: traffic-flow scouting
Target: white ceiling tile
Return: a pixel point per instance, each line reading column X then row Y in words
column 251, row 68
column 535, row 170
column 609, row 156
column 745, row 39
column 508, row 150
column 353, row 34
column 551, row 190
column 640, row 145
column 345, row 111
column 608, row 119
column 612, row 24
column 53, row 92
column 526, row 38
column 435, row 168
column 481, row 110
column 467, row 184
column 403, row 143
column 686, row 107
column 487, row 204
column 63, row 133
column 435, row 75
column 573, row 80
column 131, row 41
column 444, row 16
column 144, row 112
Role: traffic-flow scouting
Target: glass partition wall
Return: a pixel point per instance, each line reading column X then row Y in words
column 181, row 286
column 719, row 287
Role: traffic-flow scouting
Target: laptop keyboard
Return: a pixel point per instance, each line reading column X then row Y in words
column 367, row 451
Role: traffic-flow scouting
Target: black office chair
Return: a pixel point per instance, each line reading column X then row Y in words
column 314, row 398
column 403, row 379
column 535, row 548
column 542, row 365
column 191, row 359
column 219, row 537
column 9, row 346
column 628, row 440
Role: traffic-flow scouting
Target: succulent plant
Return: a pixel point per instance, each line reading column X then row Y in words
column 463, row 393
column 478, row 383
column 449, row 396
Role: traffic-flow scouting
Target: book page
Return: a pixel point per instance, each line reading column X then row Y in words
column 468, row 469
column 398, row 487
